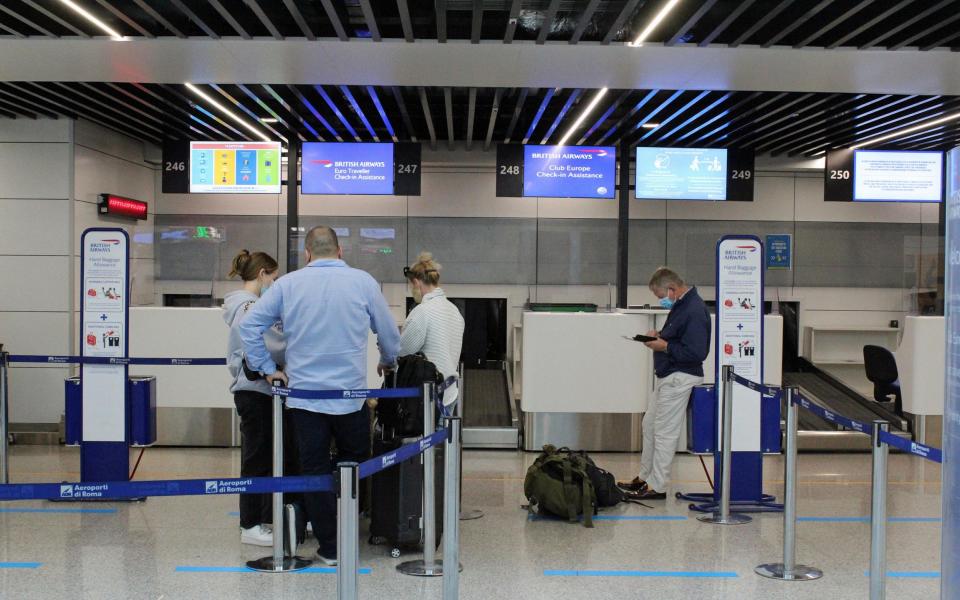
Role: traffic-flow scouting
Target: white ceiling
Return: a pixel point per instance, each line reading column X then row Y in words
column 490, row 64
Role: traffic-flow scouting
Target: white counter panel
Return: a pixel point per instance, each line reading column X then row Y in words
column 579, row 362
column 921, row 364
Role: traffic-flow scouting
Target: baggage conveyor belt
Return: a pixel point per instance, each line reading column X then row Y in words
column 490, row 418
column 817, row 434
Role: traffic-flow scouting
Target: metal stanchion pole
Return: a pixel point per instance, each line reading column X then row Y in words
column 429, row 566
column 788, row 570
column 724, row 516
column 474, row 513
column 451, row 514
column 878, row 515
column 348, row 530
column 4, row 412
column 277, row 563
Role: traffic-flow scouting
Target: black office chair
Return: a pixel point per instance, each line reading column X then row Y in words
column 881, row 369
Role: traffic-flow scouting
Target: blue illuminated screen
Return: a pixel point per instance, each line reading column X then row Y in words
column 569, row 171
column 347, row 168
column 681, row 174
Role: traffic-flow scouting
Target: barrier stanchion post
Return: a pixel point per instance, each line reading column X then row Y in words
column 878, row 514
column 724, row 516
column 429, row 566
column 277, row 563
column 788, row 570
column 451, row 509
column 4, row 412
column 348, row 530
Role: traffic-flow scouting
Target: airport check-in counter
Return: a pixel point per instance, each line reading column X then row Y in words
column 586, row 387
column 921, row 365
column 194, row 403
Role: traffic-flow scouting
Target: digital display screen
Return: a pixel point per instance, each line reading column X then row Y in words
column 569, row 171
column 681, row 173
column 895, row 176
column 234, row 167
column 347, row 168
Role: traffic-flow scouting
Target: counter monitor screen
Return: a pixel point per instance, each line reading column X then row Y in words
column 897, row 176
column 569, row 171
column 347, row 168
column 681, row 174
column 234, row 167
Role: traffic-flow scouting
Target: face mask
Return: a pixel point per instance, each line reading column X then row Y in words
column 265, row 286
column 666, row 302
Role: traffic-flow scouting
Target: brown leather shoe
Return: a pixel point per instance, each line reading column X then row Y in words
column 637, row 485
column 648, row 493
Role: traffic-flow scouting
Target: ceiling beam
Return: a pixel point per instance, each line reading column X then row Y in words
column 744, row 5
column 404, row 114
column 405, row 22
column 627, row 10
column 626, row 118
column 521, row 100
column 164, row 114
column 336, row 111
column 229, row 18
column 762, row 22
column 27, row 21
column 193, row 17
column 512, row 22
column 476, row 23
column 298, row 18
column 547, row 24
column 17, row 110
column 83, row 110
column 887, row 33
column 370, row 20
column 256, row 118
column 440, row 6
column 940, row 25
column 471, row 115
column 492, row 123
column 547, row 97
column 382, row 112
column 54, row 17
column 852, row 34
column 563, row 112
column 335, row 20
column 691, row 22
column 160, row 18
column 828, row 124
column 11, row 31
column 941, row 42
column 794, row 126
column 662, row 135
column 190, row 117
column 257, row 10
column 359, row 111
column 103, row 109
column 40, row 106
column 448, row 110
column 833, row 24
column 663, row 122
column 727, row 111
column 425, row 106
column 123, row 17
column 313, row 111
column 606, row 114
column 797, row 23
column 584, row 19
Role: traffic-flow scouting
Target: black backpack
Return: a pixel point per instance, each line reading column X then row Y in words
column 605, row 486
column 403, row 417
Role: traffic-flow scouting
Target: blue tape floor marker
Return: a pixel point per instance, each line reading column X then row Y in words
column 867, row 519
column 96, row 511
column 314, row 570
column 20, row 565
column 910, row 574
column 600, row 573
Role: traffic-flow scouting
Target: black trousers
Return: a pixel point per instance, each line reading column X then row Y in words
column 314, row 432
column 256, row 453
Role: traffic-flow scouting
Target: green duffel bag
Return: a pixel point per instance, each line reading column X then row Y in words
column 557, row 484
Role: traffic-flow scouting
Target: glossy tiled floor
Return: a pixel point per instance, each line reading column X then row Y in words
column 133, row 550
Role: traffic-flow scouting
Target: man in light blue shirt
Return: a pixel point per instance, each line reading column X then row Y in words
column 326, row 309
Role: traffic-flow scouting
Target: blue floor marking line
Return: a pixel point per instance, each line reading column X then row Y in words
column 640, row 518
column 99, row 511
column 608, row 573
column 910, row 574
column 867, row 519
column 20, row 565
column 320, row 570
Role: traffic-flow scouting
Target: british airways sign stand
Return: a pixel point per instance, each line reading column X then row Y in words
column 104, row 316
column 739, row 342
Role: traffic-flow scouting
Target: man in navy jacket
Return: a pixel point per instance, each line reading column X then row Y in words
column 679, row 351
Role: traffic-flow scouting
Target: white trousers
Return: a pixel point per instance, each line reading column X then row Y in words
column 661, row 427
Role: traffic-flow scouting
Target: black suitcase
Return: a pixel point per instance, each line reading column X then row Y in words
column 396, row 499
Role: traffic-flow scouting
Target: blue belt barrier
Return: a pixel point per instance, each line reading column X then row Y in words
column 831, row 416
column 108, row 360
column 385, row 461
column 348, row 394
column 921, row 450
column 766, row 390
column 172, row 487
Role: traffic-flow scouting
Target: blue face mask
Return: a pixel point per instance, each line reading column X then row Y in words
column 666, row 302
column 266, row 286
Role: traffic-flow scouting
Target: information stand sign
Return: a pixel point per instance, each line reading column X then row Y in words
column 104, row 316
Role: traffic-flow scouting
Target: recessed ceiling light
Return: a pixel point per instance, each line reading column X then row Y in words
column 650, row 125
column 226, row 111
column 904, row 132
column 267, row 120
column 654, row 22
column 86, row 15
column 593, row 104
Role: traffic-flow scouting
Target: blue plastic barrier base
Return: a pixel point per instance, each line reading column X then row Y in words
column 705, row 503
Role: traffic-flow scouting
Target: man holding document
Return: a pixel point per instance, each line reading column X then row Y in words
column 679, row 351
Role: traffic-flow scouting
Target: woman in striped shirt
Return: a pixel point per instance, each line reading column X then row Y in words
column 435, row 326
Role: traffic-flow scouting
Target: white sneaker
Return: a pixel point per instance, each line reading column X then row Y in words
column 258, row 535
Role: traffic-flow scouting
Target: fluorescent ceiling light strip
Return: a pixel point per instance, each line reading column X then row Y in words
column 903, row 132
column 656, row 21
column 227, row 111
column 583, row 116
column 86, row 15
